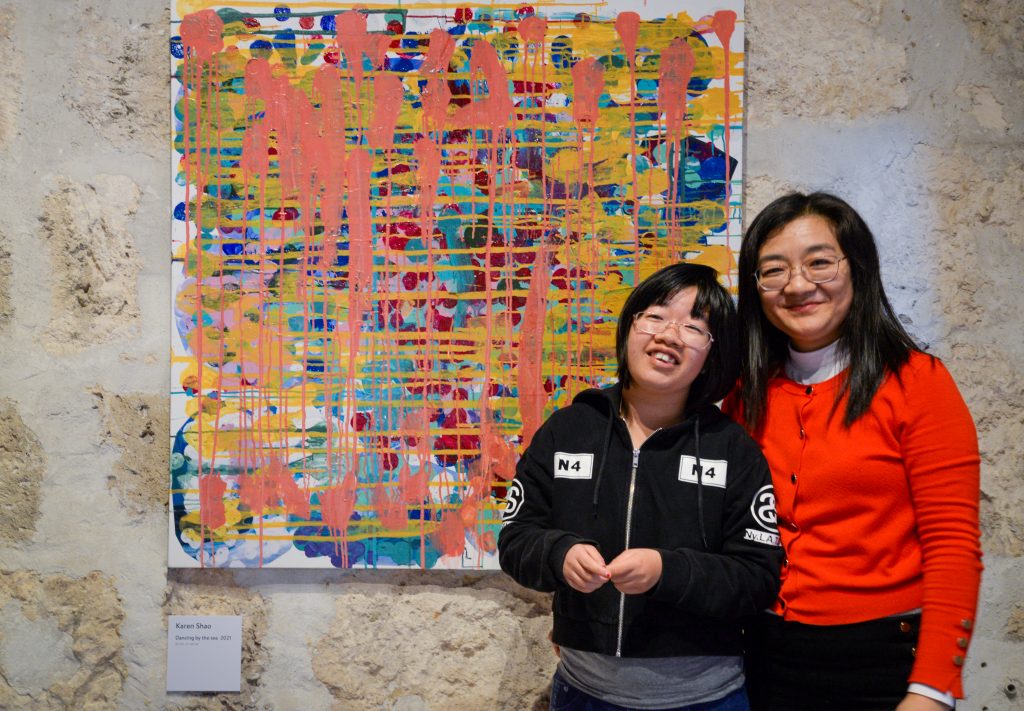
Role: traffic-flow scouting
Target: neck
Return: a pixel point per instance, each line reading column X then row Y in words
column 645, row 414
column 817, row 366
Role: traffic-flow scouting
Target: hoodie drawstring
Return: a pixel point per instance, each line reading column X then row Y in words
column 604, row 460
column 700, row 482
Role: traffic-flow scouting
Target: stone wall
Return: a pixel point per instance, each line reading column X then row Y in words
column 913, row 110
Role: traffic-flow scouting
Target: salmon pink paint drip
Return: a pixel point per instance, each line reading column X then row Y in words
column 402, row 236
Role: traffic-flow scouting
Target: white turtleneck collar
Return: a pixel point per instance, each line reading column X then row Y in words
column 811, row 367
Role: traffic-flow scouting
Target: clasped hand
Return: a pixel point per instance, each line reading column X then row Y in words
column 634, row 571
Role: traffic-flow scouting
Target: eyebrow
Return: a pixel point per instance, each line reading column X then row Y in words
column 810, row 250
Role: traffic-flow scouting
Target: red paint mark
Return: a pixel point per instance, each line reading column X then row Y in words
column 533, row 29
column 360, row 234
column 251, row 22
column 201, row 34
column 529, row 378
column 497, row 460
column 306, row 23
column 254, row 493
column 294, row 499
column 450, row 536
column 627, row 24
column 337, row 503
column 468, row 514
column 286, row 213
column 439, row 52
column 211, row 501
column 361, row 421
column 412, row 488
column 391, row 512
column 724, row 23
column 356, row 41
column 388, row 95
column 428, row 156
column 677, row 63
column 493, row 111
column 487, row 542
column 463, row 15
column 326, row 139
column 270, row 487
column 588, row 79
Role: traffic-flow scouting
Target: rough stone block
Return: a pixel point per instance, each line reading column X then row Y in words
column 94, row 261
column 22, row 465
column 137, row 424
column 60, row 641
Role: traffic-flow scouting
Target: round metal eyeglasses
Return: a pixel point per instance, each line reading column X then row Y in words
column 774, row 276
column 690, row 334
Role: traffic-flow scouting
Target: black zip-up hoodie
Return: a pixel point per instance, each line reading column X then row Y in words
column 700, row 495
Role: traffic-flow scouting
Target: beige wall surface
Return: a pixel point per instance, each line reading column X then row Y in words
column 912, row 110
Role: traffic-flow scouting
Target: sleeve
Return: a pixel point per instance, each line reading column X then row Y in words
column 529, row 549
column 743, row 577
column 940, row 453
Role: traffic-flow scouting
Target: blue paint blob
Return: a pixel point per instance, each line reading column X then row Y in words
column 261, row 48
column 285, row 40
column 230, row 249
column 282, row 13
column 177, row 49
column 327, row 23
column 561, row 52
column 402, row 64
column 179, row 211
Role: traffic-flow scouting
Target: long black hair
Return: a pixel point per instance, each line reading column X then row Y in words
column 713, row 304
column 871, row 336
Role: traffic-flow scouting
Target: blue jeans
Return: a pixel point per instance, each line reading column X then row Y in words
column 566, row 697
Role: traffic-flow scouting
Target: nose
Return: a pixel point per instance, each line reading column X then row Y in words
column 798, row 282
column 671, row 328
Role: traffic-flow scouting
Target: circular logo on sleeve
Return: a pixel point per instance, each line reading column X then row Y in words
column 513, row 500
column 763, row 508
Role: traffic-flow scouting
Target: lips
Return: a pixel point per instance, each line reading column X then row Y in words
column 803, row 308
column 664, row 357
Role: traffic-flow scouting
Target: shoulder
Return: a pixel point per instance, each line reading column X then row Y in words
column 925, row 390
column 718, row 426
column 587, row 410
column 924, row 374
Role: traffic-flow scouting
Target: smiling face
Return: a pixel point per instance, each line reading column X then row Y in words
column 662, row 366
column 811, row 314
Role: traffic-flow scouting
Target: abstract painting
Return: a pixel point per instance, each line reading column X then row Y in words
column 401, row 236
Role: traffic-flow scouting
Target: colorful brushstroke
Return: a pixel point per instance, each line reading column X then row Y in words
column 401, row 238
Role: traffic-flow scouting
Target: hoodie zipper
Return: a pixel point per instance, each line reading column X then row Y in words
column 629, row 525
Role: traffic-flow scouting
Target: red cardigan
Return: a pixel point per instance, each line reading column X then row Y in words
column 880, row 518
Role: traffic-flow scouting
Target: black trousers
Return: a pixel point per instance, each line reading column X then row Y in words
column 856, row 667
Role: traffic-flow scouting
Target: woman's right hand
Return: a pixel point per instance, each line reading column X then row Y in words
column 584, row 568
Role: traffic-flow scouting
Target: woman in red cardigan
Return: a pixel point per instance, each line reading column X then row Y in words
column 874, row 458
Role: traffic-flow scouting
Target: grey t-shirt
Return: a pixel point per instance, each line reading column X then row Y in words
column 651, row 682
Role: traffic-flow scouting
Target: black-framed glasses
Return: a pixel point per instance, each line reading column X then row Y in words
column 773, row 276
column 690, row 334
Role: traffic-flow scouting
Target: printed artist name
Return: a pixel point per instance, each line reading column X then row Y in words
column 192, row 626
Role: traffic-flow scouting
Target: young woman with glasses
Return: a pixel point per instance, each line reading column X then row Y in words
column 650, row 514
column 874, row 458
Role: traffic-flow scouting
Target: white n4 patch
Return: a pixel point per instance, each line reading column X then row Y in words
column 573, row 466
column 714, row 471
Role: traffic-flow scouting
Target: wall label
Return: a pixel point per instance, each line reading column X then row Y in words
column 204, row 653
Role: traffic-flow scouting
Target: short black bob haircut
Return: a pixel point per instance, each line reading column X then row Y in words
column 871, row 336
column 713, row 304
